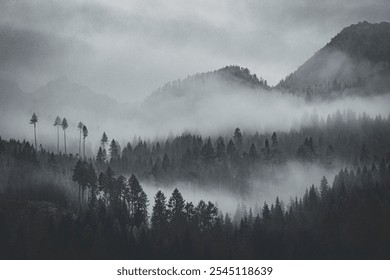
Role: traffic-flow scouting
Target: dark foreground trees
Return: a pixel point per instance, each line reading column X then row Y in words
column 346, row 219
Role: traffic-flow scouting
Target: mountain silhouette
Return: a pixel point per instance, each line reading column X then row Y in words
column 357, row 59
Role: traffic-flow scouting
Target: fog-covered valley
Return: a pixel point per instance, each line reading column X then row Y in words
column 212, row 110
column 103, row 163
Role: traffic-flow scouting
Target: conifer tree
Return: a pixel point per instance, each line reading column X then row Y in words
column 57, row 123
column 253, row 154
column 85, row 134
column 221, row 149
column 64, row 125
column 80, row 127
column 324, row 187
column 165, row 163
column 275, row 141
column 237, row 136
column 100, row 157
column 114, row 150
column 138, row 202
column 33, row 121
column 159, row 215
column 176, row 206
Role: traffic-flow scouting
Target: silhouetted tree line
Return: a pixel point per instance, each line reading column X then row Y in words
column 342, row 138
column 59, row 206
column 348, row 220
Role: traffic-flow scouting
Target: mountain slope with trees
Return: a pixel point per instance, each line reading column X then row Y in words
column 355, row 61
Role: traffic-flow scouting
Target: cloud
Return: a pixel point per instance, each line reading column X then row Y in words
column 126, row 49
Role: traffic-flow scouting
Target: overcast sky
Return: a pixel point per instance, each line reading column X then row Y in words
column 127, row 49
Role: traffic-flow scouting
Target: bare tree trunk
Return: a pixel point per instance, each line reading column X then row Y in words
column 65, row 141
column 80, row 145
column 84, row 148
column 35, row 137
column 58, row 139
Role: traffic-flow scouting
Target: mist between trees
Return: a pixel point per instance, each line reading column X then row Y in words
column 211, row 110
column 271, row 183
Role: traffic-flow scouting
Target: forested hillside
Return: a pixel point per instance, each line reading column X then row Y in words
column 355, row 62
column 57, row 205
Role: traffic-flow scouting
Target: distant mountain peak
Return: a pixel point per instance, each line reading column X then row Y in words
column 229, row 77
column 62, row 81
column 242, row 74
column 357, row 57
column 364, row 40
column 7, row 86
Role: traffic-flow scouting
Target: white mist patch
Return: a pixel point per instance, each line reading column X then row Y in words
column 285, row 181
column 288, row 181
column 209, row 110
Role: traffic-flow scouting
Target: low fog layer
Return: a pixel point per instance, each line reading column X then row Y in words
column 288, row 181
column 212, row 112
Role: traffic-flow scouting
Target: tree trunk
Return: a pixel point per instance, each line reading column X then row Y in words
column 65, row 141
column 58, row 139
column 84, row 148
column 35, row 137
column 80, row 145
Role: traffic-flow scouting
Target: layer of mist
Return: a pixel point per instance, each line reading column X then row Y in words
column 209, row 111
column 286, row 182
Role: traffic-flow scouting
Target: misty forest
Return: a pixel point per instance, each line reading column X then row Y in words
column 217, row 165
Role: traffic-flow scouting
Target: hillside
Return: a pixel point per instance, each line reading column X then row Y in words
column 224, row 79
column 356, row 60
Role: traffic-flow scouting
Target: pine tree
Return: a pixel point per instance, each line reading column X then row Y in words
column 207, row 151
column 231, row 151
column 237, row 136
column 33, row 121
column 80, row 127
column 165, row 163
column 106, row 181
column 138, row 202
column 159, row 215
column 253, row 154
column 104, row 140
column 364, row 154
column 275, row 141
column 92, row 185
column 114, row 151
column 80, row 176
column 324, row 187
column 329, row 155
column 57, row 123
column 206, row 215
column 221, row 149
column 266, row 151
column 64, row 126
column 100, row 159
column 85, row 134
column 176, row 204
column 266, row 213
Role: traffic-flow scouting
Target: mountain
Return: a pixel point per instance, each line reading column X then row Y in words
column 355, row 60
column 227, row 79
column 60, row 97
column 63, row 97
column 10, row 94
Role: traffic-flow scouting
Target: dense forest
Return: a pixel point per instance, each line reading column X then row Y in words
column 131, row 131
column 59, row 205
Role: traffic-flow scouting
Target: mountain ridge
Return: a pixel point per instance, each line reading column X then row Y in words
column 357, row 57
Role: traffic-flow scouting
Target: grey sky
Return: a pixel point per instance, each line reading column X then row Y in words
column 126, row 49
